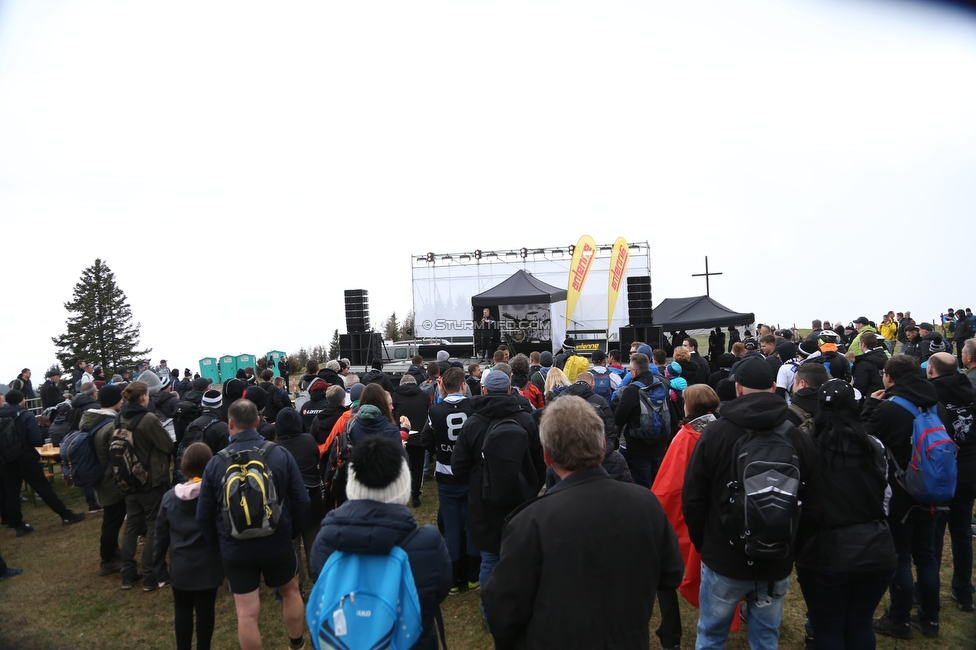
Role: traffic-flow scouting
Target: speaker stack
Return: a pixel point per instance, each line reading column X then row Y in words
column 357, row 310
column 639, row 300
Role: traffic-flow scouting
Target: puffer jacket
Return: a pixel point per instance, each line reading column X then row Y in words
column 164, row 404
column 374, row 528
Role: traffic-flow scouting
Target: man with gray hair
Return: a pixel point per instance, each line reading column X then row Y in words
column 968, row 356
column 572, row 526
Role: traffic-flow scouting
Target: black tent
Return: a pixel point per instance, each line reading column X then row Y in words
column 519, row 288
column 697, row 312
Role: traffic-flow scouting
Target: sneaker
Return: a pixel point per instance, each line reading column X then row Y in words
column 153, row 586
column 963, row 605
column 474, row 586
column 95, row 510
column 10, row 573
column 887, row 627
column 108, row 568
column 454, row 591
column 927, row 628
column 72, row 518
column 24, row 529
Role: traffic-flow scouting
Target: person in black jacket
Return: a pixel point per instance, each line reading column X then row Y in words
column 164, row 402
column 912, row 523
column 50, row 393
column 548, row 540
column 85, row 400
column 376, row 375
column 704, row 370
column 410, row 401
column 956, row 395
column 330, row 373
column 23, row 384
column 869, row 366
column 963, row 332
column 845, row 566
column 209, row 428
column 375, row 518
column 485, row 519
column 324, row 422
column 317, row 402
column 728, row 573
column 931, row 342
column 195, row 571
column 805, row 401
column 305, row 451
column 642, row 458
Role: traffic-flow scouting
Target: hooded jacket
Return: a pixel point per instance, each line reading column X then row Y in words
column 370, row 421
column 316, row 404
column 705, row 493
column 194, row 564
column 583, row 390
column 932, row 343
column 379, row 377
column 412, row 402
column 855, row 344
column 305, row 451
column 892, row 425
column 956, row 394
column 374, row 528
column 324, row 422
column 107, row 492
column 484, row 519
column 50, row 394
column 332, row 377
column 79, row 405
column 867, row 371
column 153, row 446
column 204, row 429
column 164, row 403
column 26, row 427
column 418, row 373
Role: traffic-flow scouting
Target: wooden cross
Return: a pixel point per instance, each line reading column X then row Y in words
column 706, row 274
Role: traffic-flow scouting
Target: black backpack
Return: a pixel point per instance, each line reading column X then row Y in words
column 508, row 477
column 193, row 433
column 12, row 446
column 335, row 471
column 183, row 415
column 765, row 486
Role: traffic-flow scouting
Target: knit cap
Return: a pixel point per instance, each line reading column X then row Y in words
column 383, row 474
column 211, row 400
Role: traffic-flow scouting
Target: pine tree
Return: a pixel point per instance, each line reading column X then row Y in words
column 391, row 329
column 100, row 328
column 334, row 345
column 406, row 327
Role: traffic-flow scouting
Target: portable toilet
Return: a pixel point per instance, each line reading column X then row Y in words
column 208, row 369
column 246, row 360
column 228, row 367
column 272, row 358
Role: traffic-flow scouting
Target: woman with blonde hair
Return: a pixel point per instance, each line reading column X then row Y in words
column 556, row 382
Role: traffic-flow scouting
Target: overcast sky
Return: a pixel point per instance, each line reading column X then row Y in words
column 238, row 165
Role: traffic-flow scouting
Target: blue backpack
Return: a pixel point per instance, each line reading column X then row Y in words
column 601, row 385
column 79, row 460
column 365, row 601
column 655, row 417
column 930, row 477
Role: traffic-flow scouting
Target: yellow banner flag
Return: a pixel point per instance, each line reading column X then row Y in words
column 618, row 266
column 578, row 270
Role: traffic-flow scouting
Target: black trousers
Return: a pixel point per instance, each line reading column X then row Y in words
column 31, row 472
column 113, row 517
column 185, row 604
column 670, row 630
column 415, row 461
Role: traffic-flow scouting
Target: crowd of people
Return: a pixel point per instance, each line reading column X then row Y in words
column 549, row 468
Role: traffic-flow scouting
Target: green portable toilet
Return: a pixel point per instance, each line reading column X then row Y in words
column 208, row 369
column 228, row 367
column 247, row 360
column 272, row 358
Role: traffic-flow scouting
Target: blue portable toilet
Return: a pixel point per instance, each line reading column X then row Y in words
column 228, row 367
column 272, row 358
column 246, row 360
column 208, row 369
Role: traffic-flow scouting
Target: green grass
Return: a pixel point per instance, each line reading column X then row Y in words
column 60, row 601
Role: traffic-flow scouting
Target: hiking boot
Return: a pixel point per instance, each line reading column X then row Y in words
column 887, row 627
column 927, row 628
column 108, row 568
column 72, row 518
column 964, row 605
column 24, row 529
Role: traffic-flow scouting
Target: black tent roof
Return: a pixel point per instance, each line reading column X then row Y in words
column 518, row 289
column 697, row 312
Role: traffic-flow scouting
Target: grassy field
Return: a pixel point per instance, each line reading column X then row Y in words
column 60, row 602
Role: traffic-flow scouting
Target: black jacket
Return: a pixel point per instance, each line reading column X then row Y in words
column 892, row 425
column 305, row 451
column 704, row 370
column 325, row 421
column 964, row 332
column 164, row 404
column 414, row 403
column 705, row 494
column 418, row 373
column 79, row 405
column 913, row 349
column 932, row 343
column 278, row 399
column 867, row 371
column 332, row 377
column 628, row 413
column 316, row 404
column 955, row 393
column 806, row 399
column 194, row 564
column 535, row 600
column 50, row 394
column 379, row 377
column 374, row 528
column 485, row 520
column 204, row 429
column 444, row 422
column 583, row 390
column 25, row 425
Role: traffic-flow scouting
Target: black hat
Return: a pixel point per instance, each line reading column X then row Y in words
column 53, row 373
column 806, row 348
column 109, row 395
column 187, row 373
column 911, row 327
column 598, row 356
column 241, row 374
column 754, row 373
column 837, row 394
column 926, row 326
column 569, row 343
column 257, row 395
column 750, row 343
column 200, row 384
column 863, row 320
column 726, row 360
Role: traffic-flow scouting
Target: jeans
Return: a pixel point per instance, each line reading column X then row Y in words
column 914, row 541
column 643, row 469
column 719, row 597
column 488, row 562
column 141, row 509
column 185, row 603
column 958, row 519
column 841, row 606
column 113, row 517
column 453, row 504
column 32, row 473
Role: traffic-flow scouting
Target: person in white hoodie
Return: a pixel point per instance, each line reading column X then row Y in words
column 195, row 570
